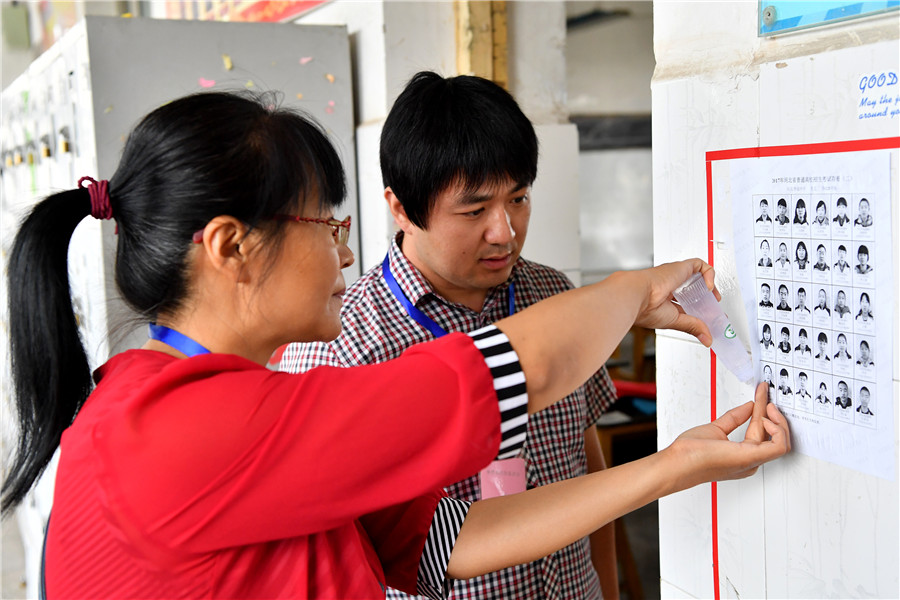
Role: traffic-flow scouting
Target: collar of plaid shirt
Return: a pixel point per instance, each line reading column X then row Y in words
column 414, row 287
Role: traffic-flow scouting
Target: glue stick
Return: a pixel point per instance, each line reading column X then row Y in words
column 698, row 301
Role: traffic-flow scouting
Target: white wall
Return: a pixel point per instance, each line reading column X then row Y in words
column 801, row 527
column 609, row 65
column 616, row 211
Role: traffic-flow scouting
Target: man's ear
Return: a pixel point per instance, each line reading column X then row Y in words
column 397, row 210
column 227, row 246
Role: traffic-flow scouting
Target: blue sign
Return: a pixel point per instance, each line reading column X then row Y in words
column 782, row 17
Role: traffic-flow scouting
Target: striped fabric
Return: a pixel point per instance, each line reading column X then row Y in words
column 448, row 520
column 509, row 383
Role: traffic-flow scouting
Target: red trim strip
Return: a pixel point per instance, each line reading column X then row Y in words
column 710, row 258
column 823, row 148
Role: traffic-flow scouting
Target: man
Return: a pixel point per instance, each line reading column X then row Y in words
column 821, row 264
column 782, row 218
column 863, row 407
column 783, row 299
column 863, row 218
column 841, row 218
column 823, row 347
column 842, row 265
column 801, row 393
column 801, row 303
column 764, row 212
column 843, row 398
column 784, row 346
column 803, row 349
column 785, row 395
column 783, row 260
column 765, row 291
column 458, row 157
column 840, row 305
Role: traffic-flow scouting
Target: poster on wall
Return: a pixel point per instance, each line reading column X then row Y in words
column 813, row 251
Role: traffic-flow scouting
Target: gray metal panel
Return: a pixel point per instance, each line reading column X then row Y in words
column 137, row 65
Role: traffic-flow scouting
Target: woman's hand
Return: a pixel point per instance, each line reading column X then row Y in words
column 708, row 454
column 660, row 311
column 509, row 530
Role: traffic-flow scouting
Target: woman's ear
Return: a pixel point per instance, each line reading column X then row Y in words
column 227, row 245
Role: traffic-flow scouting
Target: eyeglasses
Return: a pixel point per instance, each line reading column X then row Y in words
column 340, row 230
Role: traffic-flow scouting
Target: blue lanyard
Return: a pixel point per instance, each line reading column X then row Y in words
column 413, row 311
column 176, row 340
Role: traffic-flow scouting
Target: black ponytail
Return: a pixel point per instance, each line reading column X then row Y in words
column 50, row 372
column 185, row 163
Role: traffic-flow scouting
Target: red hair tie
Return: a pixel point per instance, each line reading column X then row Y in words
column 99, row 192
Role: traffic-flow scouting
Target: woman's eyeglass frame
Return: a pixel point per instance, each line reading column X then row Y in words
column 340, row 230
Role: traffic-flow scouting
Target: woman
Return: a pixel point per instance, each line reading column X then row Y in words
column 767, row 377
column 764, row 260
column 842, row 354
column 767, row 341
column 800, row 213
column 865, row 313
column 822, row 307
column 821, row 214
column 191, row 470
column 801, row 256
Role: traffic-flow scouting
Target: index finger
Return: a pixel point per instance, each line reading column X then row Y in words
column 776, row 417
column 756, row 431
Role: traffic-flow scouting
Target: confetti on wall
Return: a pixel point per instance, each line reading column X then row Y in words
column 206, row 83
column 304, row 60
column 227, row 61
column 329, row 77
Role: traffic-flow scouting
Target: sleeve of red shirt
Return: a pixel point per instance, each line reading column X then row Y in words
column 241, row 454
column 398, row 534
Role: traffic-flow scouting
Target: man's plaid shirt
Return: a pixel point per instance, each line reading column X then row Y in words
column 376, row 328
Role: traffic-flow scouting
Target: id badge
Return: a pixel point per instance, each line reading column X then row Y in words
column 502, row 478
